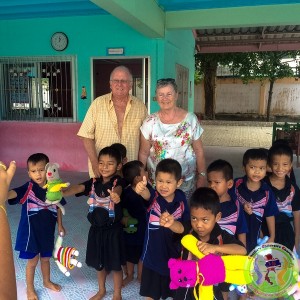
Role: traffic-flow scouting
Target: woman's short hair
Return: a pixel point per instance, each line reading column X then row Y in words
column 165, row 82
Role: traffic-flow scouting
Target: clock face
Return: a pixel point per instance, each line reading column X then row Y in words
column 59, row 41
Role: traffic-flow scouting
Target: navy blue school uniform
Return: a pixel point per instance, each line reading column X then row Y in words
column 159, row 244
column 136, row 206
column 218, row 236
column 38, row 219
column 288, row 200
column 105, row 245
column 263, row 205
column 233, row 218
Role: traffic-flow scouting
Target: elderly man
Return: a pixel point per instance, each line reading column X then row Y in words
column 113, row 118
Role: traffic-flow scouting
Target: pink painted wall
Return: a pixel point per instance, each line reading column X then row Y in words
column 18, row 140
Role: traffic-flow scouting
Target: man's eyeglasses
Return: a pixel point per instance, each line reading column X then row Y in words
column 165, row 80
column 122, row 81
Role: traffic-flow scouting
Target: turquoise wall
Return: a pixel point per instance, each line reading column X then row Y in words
column 181, row 45
column 89, row 36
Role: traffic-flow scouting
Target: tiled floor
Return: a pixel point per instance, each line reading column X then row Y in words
column 231, row 142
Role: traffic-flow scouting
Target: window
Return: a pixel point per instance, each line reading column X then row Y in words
column 37, row 89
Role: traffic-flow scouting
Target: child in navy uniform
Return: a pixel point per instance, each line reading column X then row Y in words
column 105, row 247
column 159, row 245
column 203, row 224
column 256, row 196
column 35, row 237
column 287, row 195
column 220, row 179
column 134, row 173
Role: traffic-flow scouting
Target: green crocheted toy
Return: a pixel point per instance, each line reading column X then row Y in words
column 54, row 185
column 130, row 222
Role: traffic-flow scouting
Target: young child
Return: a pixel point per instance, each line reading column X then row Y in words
column 122, row 149
column 287, row 196
column 159, row 245
column 256, row 196
column 220, row 179
column 105, row 247
column 35, row 237
column 134, row 173
column 291, row 174
column 203, row 224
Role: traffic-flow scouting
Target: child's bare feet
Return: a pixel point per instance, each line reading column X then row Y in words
column 99, row 296
column 31, row 295
column 117, row 297
column 52, row 286
column 127, row 279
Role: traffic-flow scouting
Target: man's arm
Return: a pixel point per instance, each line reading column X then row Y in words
column 89, row 145
column 144, row 150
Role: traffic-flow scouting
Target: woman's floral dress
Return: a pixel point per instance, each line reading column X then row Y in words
column 173, row 141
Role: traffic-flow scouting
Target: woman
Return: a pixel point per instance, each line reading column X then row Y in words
column 174, row 133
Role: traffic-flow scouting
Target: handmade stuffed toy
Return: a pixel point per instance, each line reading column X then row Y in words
column 54, row 185
column 130, row 223
column 208, row 270
column 65, row 257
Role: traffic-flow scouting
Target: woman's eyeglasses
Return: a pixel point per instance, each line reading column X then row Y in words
column 165, row 80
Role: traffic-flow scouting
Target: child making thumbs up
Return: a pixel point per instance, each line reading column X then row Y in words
column 160, row 243
column 135, row 200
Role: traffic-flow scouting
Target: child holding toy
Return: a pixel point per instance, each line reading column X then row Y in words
column 35, row 237
column 280, row 160
column 135, row 223
column 205, row 213
column 105, row 246
column 220, row 179
column 159, row 245
column 256, row 196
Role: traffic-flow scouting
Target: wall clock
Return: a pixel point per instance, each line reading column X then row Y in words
column 59, row 41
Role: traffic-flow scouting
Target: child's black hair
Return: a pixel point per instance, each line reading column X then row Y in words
column 37, row 157
column 280, row 148
column 131, row 170
column 255, row 154
column 171, row 166
column 121, row 148
column 112, row 152
column 207, row 199
column 221, row 165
